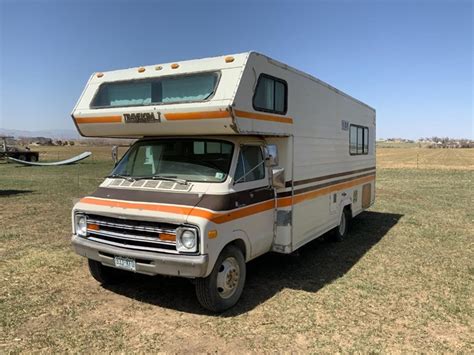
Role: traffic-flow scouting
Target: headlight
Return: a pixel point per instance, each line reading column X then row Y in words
column 81, row 225
column 186, row 240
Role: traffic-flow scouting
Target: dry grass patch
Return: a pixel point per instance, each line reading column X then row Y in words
column 402, row 282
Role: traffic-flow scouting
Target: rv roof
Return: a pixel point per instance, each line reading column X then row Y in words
column 309, row 76
column 212, row 96
column 205, row 64
column 178, row 67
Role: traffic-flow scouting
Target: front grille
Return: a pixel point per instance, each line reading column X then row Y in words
column 131, row 234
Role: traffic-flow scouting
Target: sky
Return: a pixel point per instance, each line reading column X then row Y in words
column 410, row 60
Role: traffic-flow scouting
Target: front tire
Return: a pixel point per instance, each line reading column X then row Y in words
column 340, row 232
column 223, row 287
column 104, row 274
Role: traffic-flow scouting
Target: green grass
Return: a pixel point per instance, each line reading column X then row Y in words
column 401, row 282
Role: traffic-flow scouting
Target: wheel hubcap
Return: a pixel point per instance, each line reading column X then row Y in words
column 228, row 277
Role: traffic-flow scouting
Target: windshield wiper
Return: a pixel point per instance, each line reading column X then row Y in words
column 167, row 178
column 126, row 177
column 151, row 177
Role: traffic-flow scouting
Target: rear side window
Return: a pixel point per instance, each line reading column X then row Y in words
column 271, row 95
column 358, row 140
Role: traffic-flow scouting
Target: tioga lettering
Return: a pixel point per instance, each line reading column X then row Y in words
column 142, row 117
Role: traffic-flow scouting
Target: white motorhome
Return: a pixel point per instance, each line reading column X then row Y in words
column 237, row 156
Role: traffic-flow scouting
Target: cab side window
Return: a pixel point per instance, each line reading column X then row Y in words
column 250, row 166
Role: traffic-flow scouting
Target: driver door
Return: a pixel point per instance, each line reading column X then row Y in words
column 254, row 195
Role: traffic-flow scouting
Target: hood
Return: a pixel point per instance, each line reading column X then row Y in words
column 152, row 200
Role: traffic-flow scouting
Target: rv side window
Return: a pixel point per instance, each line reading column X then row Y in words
column 358, row 140
column 250, row 165
column 270, row 95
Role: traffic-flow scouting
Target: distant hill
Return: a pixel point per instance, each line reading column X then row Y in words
column 52, row 133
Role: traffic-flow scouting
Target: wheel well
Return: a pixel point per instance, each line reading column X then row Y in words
column 239, row 243
column 349, row 208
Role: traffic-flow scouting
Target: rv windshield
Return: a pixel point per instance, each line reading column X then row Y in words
column 198, row 160
column 155, row 91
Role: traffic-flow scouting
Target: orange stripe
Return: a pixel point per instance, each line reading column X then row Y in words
column 287, row 201
column 229, row 216
column 204, row 115
column 263, row 117
column 197, row 212
column 103, row 119
column 141, row 206
column 244, row 212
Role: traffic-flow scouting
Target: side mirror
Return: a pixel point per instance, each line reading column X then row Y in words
column 115, row 154
column 278, row 177
column 271, row 155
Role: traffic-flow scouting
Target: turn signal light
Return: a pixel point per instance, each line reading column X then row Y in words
column 93, row 227
column 168, row 237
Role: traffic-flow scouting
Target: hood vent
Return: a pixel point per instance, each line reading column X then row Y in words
column 149, row 184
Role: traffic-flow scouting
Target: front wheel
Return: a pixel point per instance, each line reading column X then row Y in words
column 104, row 274
column 223, row 287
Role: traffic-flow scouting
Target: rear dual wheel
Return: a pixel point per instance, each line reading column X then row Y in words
column 223, row 287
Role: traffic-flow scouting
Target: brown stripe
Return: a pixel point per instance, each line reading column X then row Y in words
column 212, row 202
column 320, row 178
column 101, row 119
column 263, row 117
column 232, row 215
column 320, row 186
column 217, row 202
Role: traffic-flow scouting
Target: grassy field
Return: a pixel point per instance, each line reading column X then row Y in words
column 402, row 281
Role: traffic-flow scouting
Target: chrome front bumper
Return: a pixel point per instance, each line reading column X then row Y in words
column 146, row 262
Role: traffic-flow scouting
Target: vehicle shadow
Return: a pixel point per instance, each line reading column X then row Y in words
column 6, row 193
column 316, row 264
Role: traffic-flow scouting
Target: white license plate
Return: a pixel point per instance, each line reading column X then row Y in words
column 125, row 263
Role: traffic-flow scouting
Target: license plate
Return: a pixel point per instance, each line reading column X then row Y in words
column 125, row 263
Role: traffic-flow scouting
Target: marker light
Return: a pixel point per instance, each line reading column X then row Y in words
column 174, row 66
column 212, row 234
column 100, row 75
column 141, row 70
column 158, row 67
column 229, row 59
